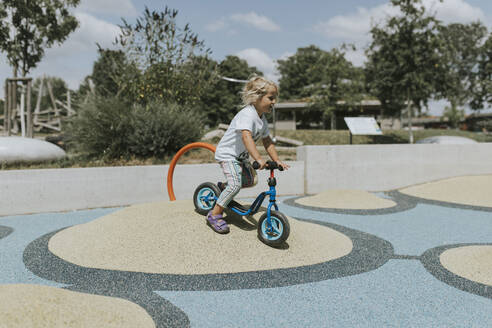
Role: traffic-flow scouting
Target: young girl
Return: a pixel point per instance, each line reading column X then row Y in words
column 259, row 96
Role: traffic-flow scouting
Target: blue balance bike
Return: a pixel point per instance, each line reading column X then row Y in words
column 273, row 226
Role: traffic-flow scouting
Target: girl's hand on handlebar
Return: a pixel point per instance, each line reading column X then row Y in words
column 283, row 165
column 262, row 164
column 259, row 166
column 271, row 165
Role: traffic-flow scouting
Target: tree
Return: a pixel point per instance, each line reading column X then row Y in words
column 324, row 78
column 168, row 56
column 336, row 83
column 454, row 115
column 461, row 53
column 405, row 58
column 108, row 70
column 295, row 72
column 222, row 100
column 27, row 28
column 483, row 90
column 111, row 76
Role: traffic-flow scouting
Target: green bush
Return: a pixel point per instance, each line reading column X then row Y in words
column 108, row 127
column 160, row 130
column 485, row 125
column 101, row 128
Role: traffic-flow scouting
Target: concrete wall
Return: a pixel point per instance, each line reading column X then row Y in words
column 387, row 167
column 319, row 168
column 48, row 190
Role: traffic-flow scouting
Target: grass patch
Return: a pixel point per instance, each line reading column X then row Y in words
column 308, row 137
column 342, row 137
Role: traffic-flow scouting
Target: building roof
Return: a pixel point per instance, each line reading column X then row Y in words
column 294, row 105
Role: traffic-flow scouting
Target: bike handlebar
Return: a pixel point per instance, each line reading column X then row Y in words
column 271, row 165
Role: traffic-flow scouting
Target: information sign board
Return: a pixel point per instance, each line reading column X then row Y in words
column 363, row 125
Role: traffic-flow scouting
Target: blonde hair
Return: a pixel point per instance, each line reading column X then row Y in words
column 256, row 88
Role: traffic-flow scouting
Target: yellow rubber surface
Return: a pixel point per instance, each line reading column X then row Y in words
column 42, row 306
column 170, row 237
column 467, row 190
column 470, row 262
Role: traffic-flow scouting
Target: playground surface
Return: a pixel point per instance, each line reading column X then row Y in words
column 420, row 256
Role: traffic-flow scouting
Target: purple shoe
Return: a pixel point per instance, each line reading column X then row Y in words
column 217, row 223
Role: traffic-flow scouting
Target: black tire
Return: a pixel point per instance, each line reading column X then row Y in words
column 271, row 238
column 205, row 189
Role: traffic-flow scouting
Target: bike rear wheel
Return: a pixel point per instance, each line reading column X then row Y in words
column 205, row 197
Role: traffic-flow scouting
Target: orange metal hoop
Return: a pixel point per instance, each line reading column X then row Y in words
column 183, row 150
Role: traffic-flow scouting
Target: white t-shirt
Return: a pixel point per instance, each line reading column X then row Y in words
column 231, row 146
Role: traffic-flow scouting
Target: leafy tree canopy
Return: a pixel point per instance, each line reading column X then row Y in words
column 405, row 63
column 27, row 28
column 335, row 80
column 171, row 59
column 462, row 47
column 296, row 72
column 222, row 100
column 326, row 78
column 483, row 91
column 108, row 71
column 111, row 75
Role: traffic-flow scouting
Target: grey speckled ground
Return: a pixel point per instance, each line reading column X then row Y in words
column 416, row 263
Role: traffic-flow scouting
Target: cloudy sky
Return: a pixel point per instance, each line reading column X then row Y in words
column 258, row 31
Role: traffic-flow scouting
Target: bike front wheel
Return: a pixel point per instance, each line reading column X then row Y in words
column 275, row 232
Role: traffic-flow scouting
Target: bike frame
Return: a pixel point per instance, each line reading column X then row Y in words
column 258, row 201
column 272, row 193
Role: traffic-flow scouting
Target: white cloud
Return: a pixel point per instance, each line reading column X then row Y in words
column 455, row 11
column 261, row 60
column 217, row 25
column 355, row 27
column 251, row 19
column 91, row 30
column 62, row 60
column 286, row 55
column 221, row 25
column 111, row 7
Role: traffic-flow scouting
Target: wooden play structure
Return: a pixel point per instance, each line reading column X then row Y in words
column 18, row 115
column 12, row 110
